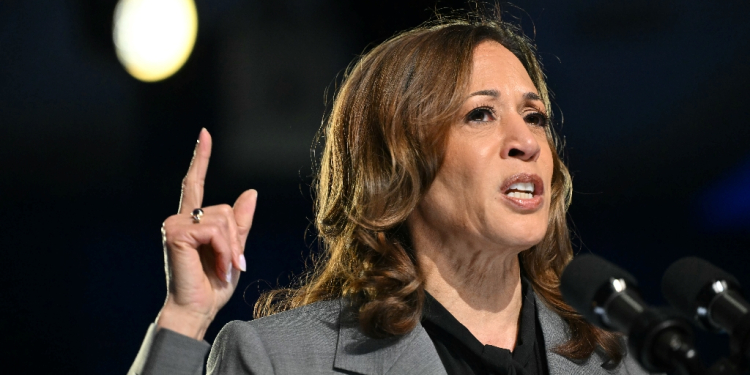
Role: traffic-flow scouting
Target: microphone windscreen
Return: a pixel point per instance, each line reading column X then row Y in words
column 584, row 277
column 686, row 278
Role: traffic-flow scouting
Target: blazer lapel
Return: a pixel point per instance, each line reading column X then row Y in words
column 419, row 357
column 555, row 331
column 412, row 353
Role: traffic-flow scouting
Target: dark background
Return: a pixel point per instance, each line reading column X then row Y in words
column 653, row 95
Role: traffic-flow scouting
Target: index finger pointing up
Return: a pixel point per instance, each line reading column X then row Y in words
column 192, row 184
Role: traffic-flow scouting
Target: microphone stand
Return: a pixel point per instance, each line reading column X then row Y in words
column 674, row 348
column 739, row 344
column 663, row 342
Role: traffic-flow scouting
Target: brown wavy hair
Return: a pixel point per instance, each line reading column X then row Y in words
column 384, row 142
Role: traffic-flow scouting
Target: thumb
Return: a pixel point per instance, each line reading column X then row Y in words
column 244, row 211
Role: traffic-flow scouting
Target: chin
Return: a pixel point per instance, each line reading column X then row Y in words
column 521, row 239
column 523, row 246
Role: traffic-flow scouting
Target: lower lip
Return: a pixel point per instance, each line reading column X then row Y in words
column 525, row 204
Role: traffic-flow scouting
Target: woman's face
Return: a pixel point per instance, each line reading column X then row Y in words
column 493, row 188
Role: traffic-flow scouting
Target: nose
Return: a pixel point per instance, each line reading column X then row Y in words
column 520, row 141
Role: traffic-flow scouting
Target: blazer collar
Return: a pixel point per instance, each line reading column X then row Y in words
column 413, row 353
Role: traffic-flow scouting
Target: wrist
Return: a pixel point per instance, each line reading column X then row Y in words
column 183, row 321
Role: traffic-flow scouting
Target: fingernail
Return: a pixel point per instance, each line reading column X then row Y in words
column 229, row 273
column 243, row 263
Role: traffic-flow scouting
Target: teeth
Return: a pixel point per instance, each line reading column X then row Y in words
column 523, row 186
column 520, row 195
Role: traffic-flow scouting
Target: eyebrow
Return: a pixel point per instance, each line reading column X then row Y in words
column 496, row 94
column 492, row 93
column 532, row 96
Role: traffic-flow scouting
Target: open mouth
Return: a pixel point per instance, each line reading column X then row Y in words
column 524, row 191
column 521, row 190
column 523, row 186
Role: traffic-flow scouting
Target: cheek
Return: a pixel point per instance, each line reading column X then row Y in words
column 547, row 166
column 548, row 170
column 457, row 194
column 464, row 166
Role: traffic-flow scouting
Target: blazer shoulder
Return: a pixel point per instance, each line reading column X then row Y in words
column 294, row 340
column 324, row 313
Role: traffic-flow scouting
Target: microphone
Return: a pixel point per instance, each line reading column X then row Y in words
column 711, row 297
column 607, row 296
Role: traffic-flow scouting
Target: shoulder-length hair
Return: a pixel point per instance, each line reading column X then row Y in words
column 384, row 143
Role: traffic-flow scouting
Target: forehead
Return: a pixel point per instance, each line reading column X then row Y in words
column 495, row 66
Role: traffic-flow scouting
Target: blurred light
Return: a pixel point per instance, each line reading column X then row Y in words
column 153, row 38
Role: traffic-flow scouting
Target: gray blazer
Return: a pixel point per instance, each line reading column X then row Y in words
column 321, row 339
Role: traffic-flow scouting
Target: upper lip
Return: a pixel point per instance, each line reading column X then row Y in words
column 523, row 177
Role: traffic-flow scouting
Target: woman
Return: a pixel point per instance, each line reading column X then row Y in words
column 441, row 206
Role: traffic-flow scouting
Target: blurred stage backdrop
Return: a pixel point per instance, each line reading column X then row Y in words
column 654, row 97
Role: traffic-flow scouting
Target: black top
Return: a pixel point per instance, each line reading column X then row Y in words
column 461, row 353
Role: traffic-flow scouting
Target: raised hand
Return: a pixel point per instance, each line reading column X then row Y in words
column 202, row 259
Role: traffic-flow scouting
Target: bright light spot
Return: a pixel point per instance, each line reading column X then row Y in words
column 619, row 285
column 153, row 38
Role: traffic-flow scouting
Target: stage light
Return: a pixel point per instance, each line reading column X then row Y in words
column 154, row 38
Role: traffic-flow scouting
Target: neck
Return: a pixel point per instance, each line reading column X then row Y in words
column 480, row 286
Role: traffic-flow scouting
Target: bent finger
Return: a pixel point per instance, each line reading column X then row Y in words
column 224, row 258
column 220, row 245
column 182, row 236
column 223, row 216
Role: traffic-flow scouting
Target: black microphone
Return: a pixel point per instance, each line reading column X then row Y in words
column 711, row 297
column 607, row 296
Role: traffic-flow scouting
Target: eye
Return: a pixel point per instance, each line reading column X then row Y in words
column 537, row 119
column 481, row 114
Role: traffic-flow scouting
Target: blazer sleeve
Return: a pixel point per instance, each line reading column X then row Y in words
column 165, row 352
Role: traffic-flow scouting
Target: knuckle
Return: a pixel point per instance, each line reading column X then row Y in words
column 216, row 216
column 214, row 230
column 222, row 221
column 169, row 223
column 226, row 210
column 172, row 229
